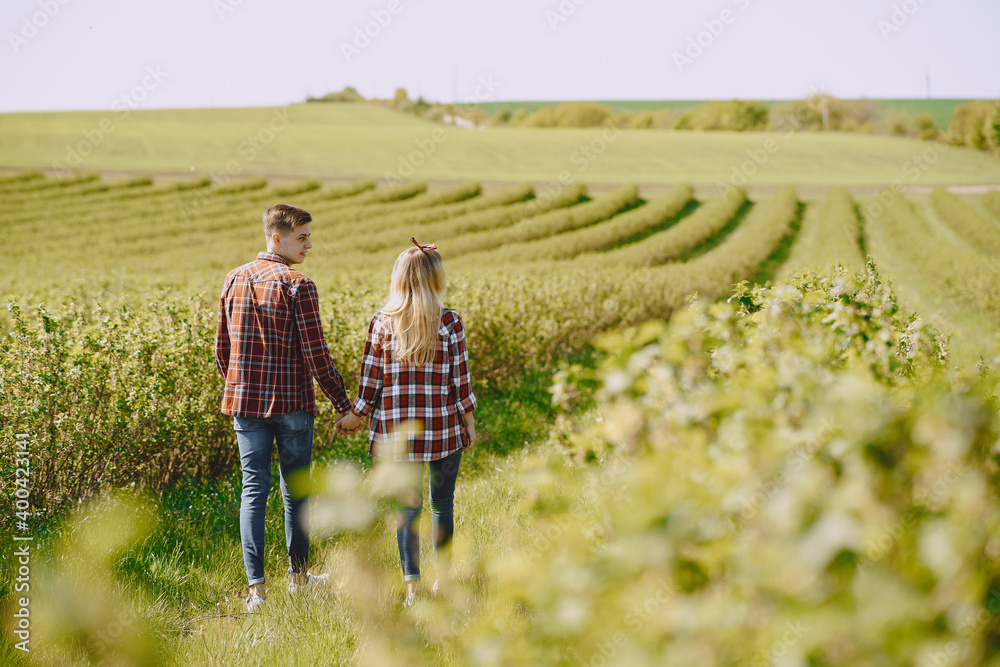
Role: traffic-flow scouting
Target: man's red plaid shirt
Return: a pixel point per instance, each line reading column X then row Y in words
column 269, row 343
column 436, row 395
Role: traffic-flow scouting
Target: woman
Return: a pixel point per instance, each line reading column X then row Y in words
column 416, row 370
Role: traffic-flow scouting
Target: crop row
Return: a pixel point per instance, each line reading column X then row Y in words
column 965, row 220
column 740, row 255
column 143, row 406
column 445, row 232
column 57, row 189
column 15, row 187
column 619, row 230
column 964, row 275
column 538, row 312
column 173, row 198
column 184, row 209
column 7, row 180
column 375, row 234
column 707, row 222
column 343, row 218
column 830, row 236
column 547, row 224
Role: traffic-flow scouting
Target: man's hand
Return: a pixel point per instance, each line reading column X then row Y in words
column 348, row 423
column 470, row 429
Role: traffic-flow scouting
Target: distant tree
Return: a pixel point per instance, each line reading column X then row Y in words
column 927, row 128
column 745, row 116
column 900, row 126
column 734, row 115
column 685, row 121
column 642, row 120
column 666, row 119
column 972, row 125
column 570, row 114
column 993, row 130
column 401, row 100
column 502, row 117
column 622, row 119
column 348, row 94
column 544, row 117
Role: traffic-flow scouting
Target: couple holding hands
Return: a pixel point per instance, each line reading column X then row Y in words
column 269, row 346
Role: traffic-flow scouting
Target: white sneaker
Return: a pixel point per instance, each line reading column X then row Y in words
column 254, row 602
column 312, row 581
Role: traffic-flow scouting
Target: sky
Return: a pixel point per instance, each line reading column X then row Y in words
column 94, row 54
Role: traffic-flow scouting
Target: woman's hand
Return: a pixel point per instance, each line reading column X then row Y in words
column 348, row 423
column 470, row 430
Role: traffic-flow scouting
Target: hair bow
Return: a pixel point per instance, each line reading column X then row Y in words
column 423, row 248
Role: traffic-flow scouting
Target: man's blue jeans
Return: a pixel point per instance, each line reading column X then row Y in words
column 255, row 436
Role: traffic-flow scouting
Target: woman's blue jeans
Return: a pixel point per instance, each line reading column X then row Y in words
column 443, row 474
column 256, row 436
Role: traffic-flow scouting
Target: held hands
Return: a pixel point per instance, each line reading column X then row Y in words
column 348, row 423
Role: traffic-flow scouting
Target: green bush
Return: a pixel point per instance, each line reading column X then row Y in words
column 794, row 458
column 789, row 475
column 570, row 114
column 348, row 94
column 734, row 115
column 642, row 120
column 976, row 125
column 113, row 397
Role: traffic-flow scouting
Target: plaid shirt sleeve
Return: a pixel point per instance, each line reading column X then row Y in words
column 461, row 378
column 222, row 343
column 370, row 385
column 314, row 349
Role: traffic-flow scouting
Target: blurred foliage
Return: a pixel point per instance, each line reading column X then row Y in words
column 570, row 114
column 978, row 230
column 796, row 475
column 974, row 124
column 977, row 125
column 82, row 611
column 807, row 483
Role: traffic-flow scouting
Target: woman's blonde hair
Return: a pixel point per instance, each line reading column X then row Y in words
column 413, row 312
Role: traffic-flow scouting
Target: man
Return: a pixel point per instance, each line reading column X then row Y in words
column 268, row 346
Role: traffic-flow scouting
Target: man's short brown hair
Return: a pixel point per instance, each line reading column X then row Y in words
column 284, row 218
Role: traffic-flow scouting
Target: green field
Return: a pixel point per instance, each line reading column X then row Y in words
column 342, row 141
column 717, row 426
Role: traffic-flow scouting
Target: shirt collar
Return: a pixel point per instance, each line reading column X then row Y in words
column 271, row 257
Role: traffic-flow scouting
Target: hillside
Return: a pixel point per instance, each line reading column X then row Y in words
column 341, row 141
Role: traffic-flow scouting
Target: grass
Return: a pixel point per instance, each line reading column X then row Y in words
column 340, row 141
column 186, row 573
